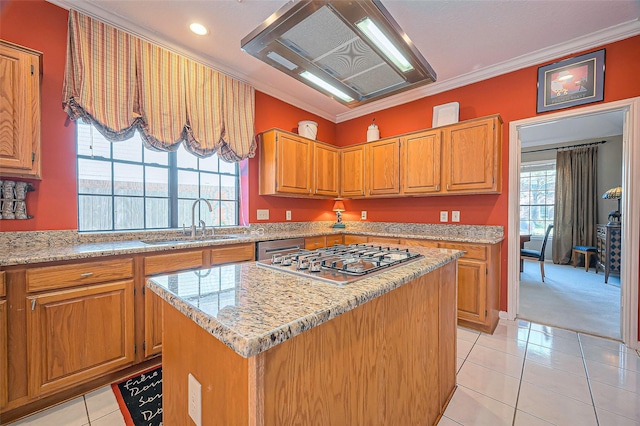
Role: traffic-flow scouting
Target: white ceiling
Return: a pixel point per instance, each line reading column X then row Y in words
column 464, row 40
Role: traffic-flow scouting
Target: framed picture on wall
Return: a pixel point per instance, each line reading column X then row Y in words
column 571, row 82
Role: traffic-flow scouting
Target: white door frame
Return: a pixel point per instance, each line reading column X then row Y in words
column 630, row 208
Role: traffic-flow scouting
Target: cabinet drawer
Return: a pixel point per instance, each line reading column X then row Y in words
column 51, row 277
column 473, row 251
column 384, row 240
column 314, row 243
column 3, row 287
column 332, row 240
column 420, row 243
column 355, row 239
column 234, row 253
column 172, row 262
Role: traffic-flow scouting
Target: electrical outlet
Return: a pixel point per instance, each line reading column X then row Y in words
column 288, row 214
column 455, row 216
column 444, row 216
column 195, row 400
column 262, row 214
column 363, row 215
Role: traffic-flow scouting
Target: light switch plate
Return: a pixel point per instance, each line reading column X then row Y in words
column 444, row 216
column 288, row 214
column 455, row 216
column 195, row 400
column 263, row 214
column 363, row 215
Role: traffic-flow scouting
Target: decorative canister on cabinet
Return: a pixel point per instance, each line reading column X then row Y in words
column 373, row 133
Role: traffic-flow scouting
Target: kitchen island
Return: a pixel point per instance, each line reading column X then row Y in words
column 272, row 348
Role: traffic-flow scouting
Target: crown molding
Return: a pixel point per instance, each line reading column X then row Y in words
column 595, row 39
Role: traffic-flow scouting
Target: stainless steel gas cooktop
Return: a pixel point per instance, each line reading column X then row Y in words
column 341, row 264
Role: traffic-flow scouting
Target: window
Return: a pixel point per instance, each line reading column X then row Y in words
column 537, row 197
column 125, row 186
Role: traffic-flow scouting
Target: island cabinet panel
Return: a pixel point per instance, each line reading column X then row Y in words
column 352, row 169
column 76, row 335
column 383, row 167
column 471, row 156
column 20, row 111
column 380, row 363
column 420, row 167
column 326, row 160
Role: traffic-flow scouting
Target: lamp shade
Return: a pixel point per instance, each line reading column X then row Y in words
column 338, row 206
column 613, row 194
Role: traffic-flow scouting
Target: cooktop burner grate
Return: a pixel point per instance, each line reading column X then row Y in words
column 341, row 264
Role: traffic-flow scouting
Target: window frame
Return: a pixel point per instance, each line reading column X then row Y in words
column 547, row 221
column 172, row 182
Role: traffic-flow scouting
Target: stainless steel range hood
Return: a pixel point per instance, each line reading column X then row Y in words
column 353, row 51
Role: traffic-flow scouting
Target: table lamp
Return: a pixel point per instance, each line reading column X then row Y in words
column 338, row 207
column 614, row 194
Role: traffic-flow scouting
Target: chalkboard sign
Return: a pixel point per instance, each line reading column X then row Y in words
column 142, row 397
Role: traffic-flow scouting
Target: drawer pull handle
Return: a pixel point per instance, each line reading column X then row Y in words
column 33, row 304
column 86, row 274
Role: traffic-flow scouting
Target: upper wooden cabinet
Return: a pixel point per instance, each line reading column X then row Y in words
column 420, row 167
column 19, row 111
column 471, row 155
column 326, row 160
column 352, row 171
column 383, row 166
column 293, row 166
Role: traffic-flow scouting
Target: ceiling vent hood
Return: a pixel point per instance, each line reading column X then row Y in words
column 353, row 51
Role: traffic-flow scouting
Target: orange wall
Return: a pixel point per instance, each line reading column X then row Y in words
column 43, row 26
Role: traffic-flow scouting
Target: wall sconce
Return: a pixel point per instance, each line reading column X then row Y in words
column 614, row 194
column 338, row 207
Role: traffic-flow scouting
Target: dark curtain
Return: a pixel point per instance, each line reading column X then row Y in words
column 576, row 198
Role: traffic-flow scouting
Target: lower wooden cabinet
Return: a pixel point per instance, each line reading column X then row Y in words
column 333, row 240
column 355, row 239
column 4, row 384
column 78, row 334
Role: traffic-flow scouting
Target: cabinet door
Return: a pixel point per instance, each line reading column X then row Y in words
column 294, row 164
column 471, row 155
column 383, row 172
column 19, row 111
column 76, row 335
column 152, row 344
column 355, row 239
column 332, row 240
column 313, row 243
column 352, row 172
column 472, row 290
column 326, row 165
column 383, row 240
column 420, row 169
column 4, row 349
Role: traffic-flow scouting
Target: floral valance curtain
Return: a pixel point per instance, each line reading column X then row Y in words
column 121, row 83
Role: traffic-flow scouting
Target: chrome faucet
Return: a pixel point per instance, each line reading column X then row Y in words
column 193, row 217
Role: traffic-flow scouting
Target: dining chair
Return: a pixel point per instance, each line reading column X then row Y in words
column 537, row 255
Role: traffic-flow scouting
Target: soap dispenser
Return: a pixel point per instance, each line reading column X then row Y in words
column 373, row 133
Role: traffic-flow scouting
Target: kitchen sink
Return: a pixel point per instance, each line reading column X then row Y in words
column 188, row 240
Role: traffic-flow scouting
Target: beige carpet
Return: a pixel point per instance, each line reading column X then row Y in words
column 571, row 298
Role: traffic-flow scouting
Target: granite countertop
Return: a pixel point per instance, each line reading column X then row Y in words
column 250, row 308
column 52, row 246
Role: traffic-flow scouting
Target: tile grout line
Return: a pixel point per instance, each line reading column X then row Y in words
column 586, row 372
column 524, row 361
column 86, row 409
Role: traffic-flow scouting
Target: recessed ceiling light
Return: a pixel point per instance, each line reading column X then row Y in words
column 198, row 28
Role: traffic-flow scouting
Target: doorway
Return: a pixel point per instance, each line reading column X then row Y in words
column 630, row 203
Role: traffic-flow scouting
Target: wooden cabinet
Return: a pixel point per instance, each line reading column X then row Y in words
column 352, row 166
column 293, row 166
column 326, row 163
column 333, row 240
column 4, row 349
column 21, row 69
column 471, row 153
column 383, row 240
column 313, row 243
column 383, row 167
column 420, row 168
column 355, row 239
column 78, row 334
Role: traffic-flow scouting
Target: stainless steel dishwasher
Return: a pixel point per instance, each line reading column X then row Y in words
column 266, row 249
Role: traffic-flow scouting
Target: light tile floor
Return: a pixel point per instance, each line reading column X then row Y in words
column 524, row 374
